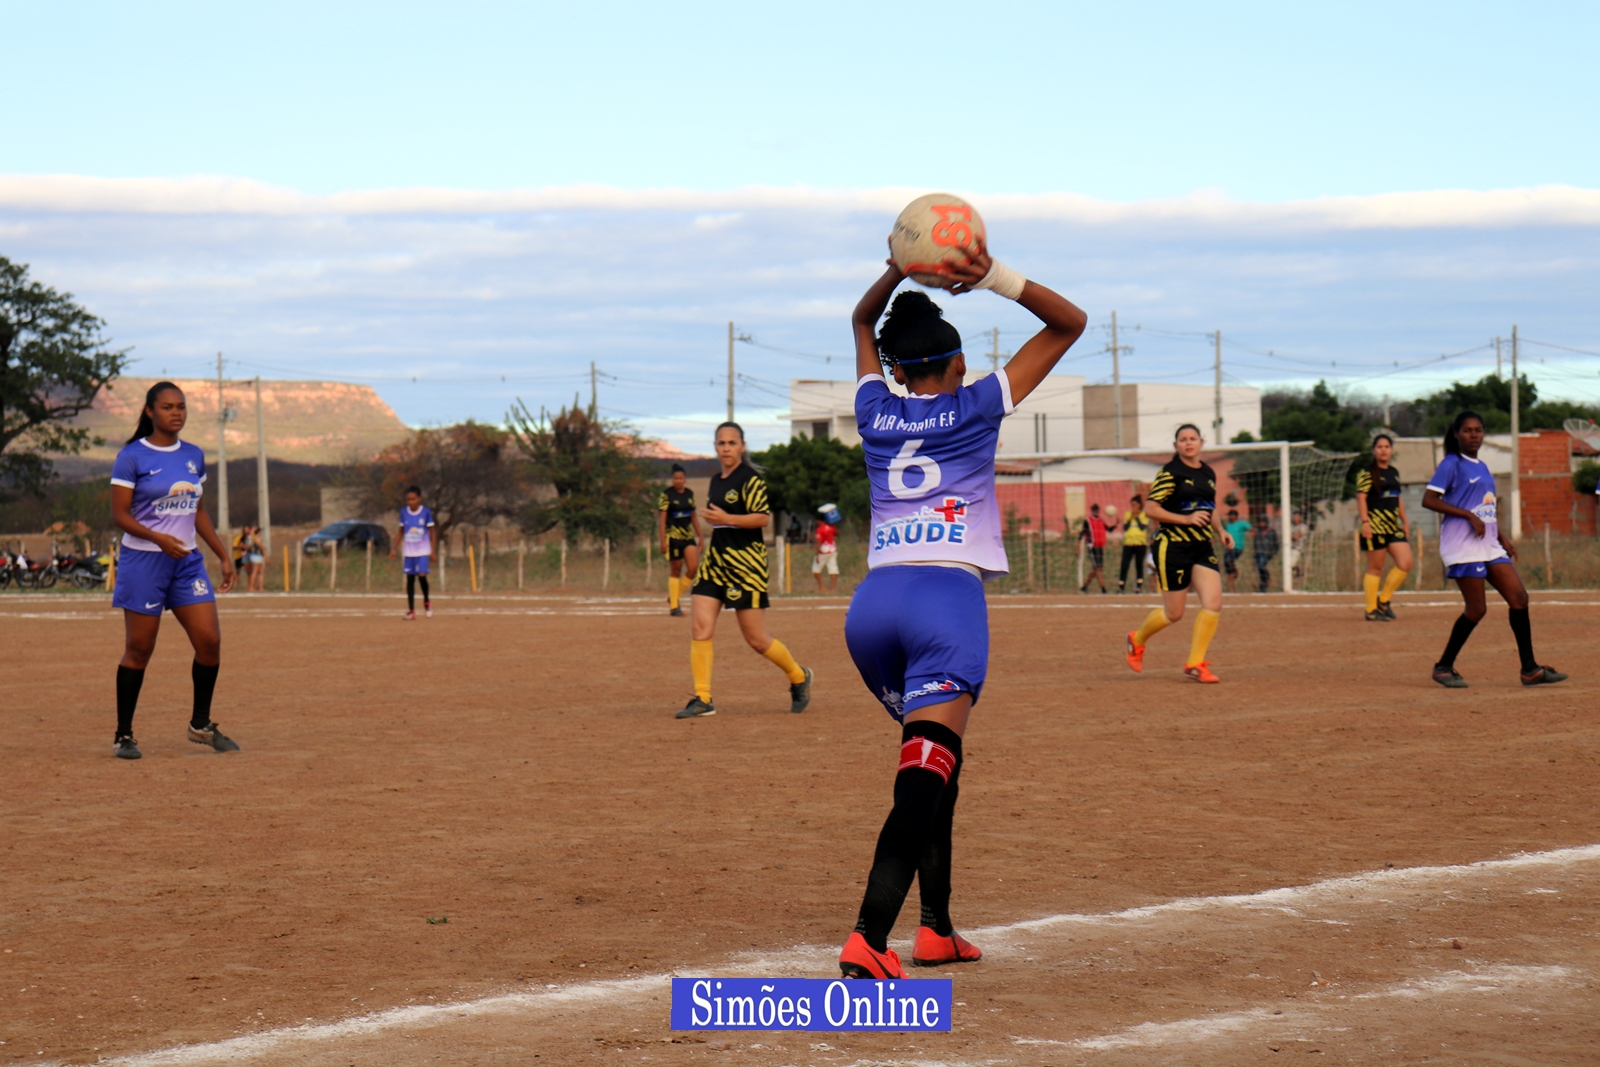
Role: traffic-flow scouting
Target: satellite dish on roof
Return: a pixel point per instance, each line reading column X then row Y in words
column 1584, row 430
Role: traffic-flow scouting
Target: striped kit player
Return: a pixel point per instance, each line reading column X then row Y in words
column 1385, row 529
column 679, row 531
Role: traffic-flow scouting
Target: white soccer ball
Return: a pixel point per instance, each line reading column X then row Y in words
column 931, row 232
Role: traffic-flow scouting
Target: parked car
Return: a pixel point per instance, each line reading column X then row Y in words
column 348, row 534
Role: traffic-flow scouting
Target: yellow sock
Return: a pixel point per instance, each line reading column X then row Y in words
column 1369, row 586
column 672, row 592
column 1205, row 628
column 1391, row 583
column 700, row 665
column 780, row 655
column 1153, row 624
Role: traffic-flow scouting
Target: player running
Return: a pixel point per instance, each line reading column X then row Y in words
column 1135, row 542
column 156, row 483
column 734, row 572
column 679, row 528
column 1474, row 550
column 1385, row 528
column 918, row 627
column 416, row 538
column 1183, row 499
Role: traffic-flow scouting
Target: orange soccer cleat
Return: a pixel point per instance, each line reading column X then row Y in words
column 1135, row 653
column 860, row 960
column 1201, row 672
column 931, row 950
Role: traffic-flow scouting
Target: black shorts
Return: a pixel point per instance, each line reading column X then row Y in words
column 738, row 599
column 1379, row 541
column 1176, row 561
column 676, row 547
column 1097, row 556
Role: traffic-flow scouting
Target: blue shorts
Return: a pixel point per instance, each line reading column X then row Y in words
column 1473, row 570
column 919, row 635
column 147, row 582
column 416, row 564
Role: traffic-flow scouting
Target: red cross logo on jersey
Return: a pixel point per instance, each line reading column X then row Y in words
column 953, row 506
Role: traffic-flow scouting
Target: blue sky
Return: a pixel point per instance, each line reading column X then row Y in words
column 462, row 194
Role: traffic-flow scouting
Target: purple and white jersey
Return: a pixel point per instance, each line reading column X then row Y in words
column 930, row 460
column 416, row 525
column 1466, row 483
column 166, row 483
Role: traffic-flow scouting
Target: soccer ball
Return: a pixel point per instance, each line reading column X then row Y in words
column 932, row 231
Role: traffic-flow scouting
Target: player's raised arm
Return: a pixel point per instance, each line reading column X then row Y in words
column 864, row 320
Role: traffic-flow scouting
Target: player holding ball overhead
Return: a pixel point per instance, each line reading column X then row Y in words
column 917, row 627
column 156, row 483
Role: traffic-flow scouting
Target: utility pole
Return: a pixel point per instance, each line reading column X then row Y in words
column 1497, row 372
column 730, row 372
column 594, row 392
column 1516, row 446
column 263, row 510
column 994, row 350
column 1216, row 422
column 222, row 456
column 1116, row 383
column 1386, row 410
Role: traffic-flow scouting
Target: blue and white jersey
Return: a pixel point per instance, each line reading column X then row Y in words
column 166, row 483
column 416, row 525
column 930, row 460
column 1466, row 483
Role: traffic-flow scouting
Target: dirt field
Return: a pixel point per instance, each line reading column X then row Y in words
column 1327, row 854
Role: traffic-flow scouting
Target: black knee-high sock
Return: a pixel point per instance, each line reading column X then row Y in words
column 205, row 683
column 1523, row 629
column 933, row 874
column 426, row 600
column 918, row 791
column 129, row 681
column 1458, row 637
column 411, row 592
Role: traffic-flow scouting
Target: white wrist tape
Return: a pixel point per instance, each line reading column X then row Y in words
column 1003, row 280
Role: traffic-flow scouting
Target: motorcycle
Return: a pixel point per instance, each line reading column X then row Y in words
column 85, row 572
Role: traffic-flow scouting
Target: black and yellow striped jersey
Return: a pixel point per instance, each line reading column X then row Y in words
column 679, row 507
column 737, row 557
column 1135, row 529
column 1383, row 504
column 1184, row 490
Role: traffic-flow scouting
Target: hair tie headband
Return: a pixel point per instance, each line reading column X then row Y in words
column 929, row 359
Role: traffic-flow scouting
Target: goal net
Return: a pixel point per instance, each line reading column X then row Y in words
column 1044, row 499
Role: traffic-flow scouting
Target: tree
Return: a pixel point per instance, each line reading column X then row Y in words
column 1318, row 416
column 807, row 472
column 467, row 475
column 601, row 488
column 1489, row 396
column 1587, row 477
column 53, row 363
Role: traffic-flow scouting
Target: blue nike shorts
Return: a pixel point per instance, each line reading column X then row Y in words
column 148, row 582
column 416, row 564
column 1473, row 570
column 919, row 636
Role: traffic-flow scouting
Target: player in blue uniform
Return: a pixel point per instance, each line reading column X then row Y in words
column 1474, row 551
column 416, row 549
column 156, row 484
column 918, row 627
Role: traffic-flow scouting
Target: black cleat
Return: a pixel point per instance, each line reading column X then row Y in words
column 1544, row 676
column 211, row 734
column 1387, row 608
column 677, row 612
column 800, row 695
column 1447, row 677
column 125, row 747
column 696, row 709
column 1377, row 616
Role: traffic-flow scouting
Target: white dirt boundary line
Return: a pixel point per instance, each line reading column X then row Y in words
column 252, row 1046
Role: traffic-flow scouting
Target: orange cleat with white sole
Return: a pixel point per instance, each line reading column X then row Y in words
column 1135, row 653
column 931, row 950
column 1201, row 672
column 860, row 960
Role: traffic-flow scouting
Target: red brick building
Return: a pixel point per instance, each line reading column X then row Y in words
column 1547, row 494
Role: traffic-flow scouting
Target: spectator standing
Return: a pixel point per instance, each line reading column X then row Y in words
column 1266, row 542
column 1230, row 558
column 1094, row 530
column 827, row 536
column 1135, row 542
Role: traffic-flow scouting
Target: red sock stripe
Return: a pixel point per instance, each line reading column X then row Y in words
column 929, row 755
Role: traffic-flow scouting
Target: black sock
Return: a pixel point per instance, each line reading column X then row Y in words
column 411, row 592
column 423, row 578
column 205, row 683
column 129, row 681
column 918, row 791
column 933, row 874
column 1458, row 637
column 1523, row 629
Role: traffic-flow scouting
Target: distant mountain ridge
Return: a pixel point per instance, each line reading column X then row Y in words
column 323, row 423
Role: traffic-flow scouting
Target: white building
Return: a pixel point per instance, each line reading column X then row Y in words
column 1062, row 415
